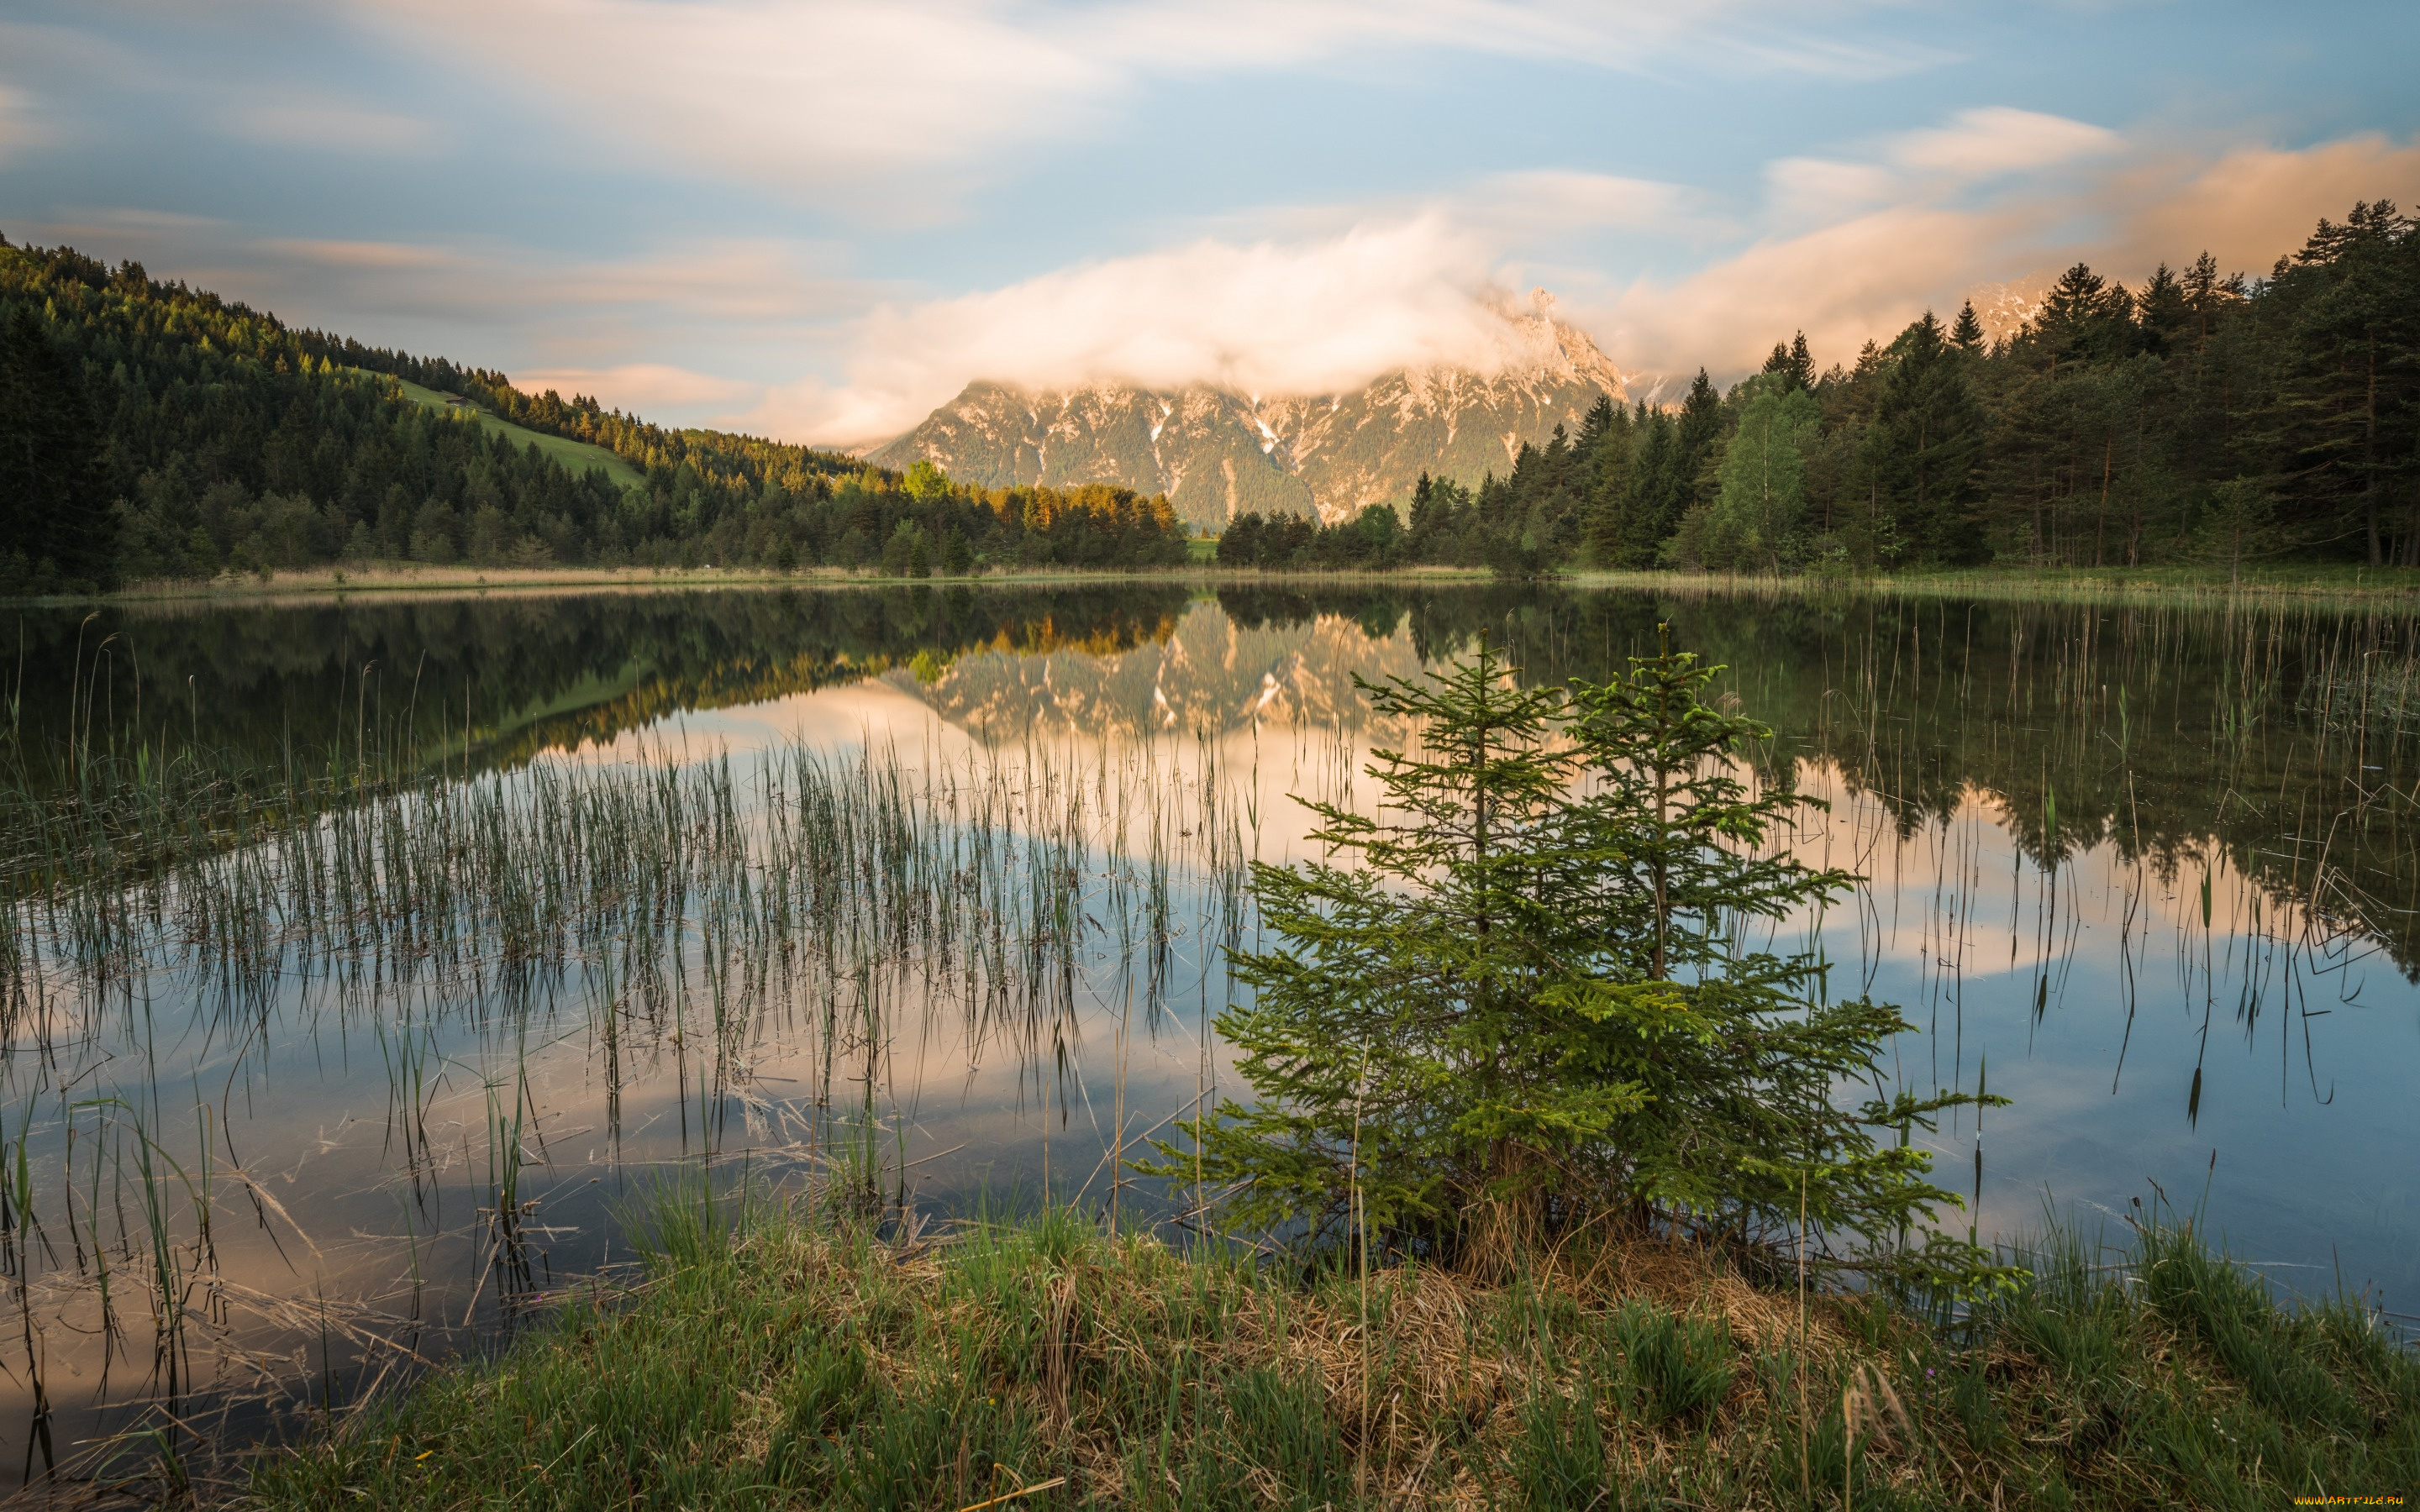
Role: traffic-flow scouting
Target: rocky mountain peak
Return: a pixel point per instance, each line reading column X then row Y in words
column 1218, row 453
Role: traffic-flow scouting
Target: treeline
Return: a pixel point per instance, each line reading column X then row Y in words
column 149, row 430
column 415, row 682
column 2203, row 417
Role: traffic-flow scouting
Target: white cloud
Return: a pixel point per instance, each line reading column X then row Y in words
column 1325, row 309
column 1263, row 318
column 837, row 91
column 1814, row 191
column 1974, row 147
column 1864, row 277
column 383, row 256
column 2250, row 205
column 1866, row 274
column 1996, row 140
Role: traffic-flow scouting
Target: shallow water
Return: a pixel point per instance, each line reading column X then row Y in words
column 2150, row 872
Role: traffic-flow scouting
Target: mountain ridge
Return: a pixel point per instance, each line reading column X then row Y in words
column 1217, row 453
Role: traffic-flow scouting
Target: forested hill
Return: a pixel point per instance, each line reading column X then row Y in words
column 149, row 430
column 2202, row 417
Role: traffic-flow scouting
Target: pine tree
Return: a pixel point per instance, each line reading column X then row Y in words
column 1521, row 1001
column 1654, row 494
column 1600, row 418
column 2085, row 317
column 1923, row 448
column 1966, row 334
column 2350, row 384
column 1607, row 438
column 1792, row 363
column 2162, row 313
column 56, row 525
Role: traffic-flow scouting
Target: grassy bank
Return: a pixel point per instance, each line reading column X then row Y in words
column 2075, row 585
column 2333, row 580
column 788, row 1362
column 396, row 579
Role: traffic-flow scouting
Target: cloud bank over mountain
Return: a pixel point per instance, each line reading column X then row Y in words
column 1846, row 249
column 822, row 218
column 1316, row 316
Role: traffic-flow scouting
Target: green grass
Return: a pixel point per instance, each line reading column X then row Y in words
column 2343, row 580
column 1201, row 551
column 576, row 456
column 788, row 1362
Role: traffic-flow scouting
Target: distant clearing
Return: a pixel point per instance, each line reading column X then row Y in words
column 576, row 456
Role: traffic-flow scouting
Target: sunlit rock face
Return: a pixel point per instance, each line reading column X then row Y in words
column 1218, row 453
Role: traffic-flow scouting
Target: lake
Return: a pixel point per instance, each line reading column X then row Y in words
column 367, row 961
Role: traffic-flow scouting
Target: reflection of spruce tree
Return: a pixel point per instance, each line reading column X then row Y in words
column 54, row 519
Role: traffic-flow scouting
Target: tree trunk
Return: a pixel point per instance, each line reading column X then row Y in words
column 2368, row 456
column 2101, row 521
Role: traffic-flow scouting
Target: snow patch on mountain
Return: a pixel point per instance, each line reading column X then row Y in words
column 1217, row 453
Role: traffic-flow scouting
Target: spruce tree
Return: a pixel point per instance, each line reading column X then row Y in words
column 1792, row 363
column 1966, row 332
column 56, row 524
column 1522, row 996
column 1923, row 448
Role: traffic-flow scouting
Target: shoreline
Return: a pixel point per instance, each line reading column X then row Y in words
column 786, row 1355
column 2318, row 583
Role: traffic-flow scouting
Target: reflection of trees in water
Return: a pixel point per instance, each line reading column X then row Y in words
column 276, row 685
column 2156, row 729
column 2281, row 733
column 1244, row 661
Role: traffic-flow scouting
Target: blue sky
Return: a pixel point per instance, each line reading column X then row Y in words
column 821, row 220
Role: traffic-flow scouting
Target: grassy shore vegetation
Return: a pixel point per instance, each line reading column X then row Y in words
column 1563, row 1185
column 794, row 1358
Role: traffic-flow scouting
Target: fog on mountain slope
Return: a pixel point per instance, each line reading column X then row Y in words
column 1218, row 453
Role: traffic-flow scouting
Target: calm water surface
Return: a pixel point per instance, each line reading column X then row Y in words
column 953, row 875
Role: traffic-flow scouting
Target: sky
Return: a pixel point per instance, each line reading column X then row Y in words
column 818, row 221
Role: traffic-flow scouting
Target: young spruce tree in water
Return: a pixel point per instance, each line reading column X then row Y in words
column 1526, row 995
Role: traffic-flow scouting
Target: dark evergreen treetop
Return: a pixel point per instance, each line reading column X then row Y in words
column 160, row 431
column 2201, row 417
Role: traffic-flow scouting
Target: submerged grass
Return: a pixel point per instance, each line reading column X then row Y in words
column 786, row 1360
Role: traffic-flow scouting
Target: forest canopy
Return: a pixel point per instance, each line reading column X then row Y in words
column 149, row 430
column 2203, row 417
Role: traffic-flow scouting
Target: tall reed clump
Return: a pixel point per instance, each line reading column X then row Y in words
column 688, row 910
column 772, row 1358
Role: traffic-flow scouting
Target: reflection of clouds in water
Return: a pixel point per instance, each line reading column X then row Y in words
column 2095, row 995
column 1955, row 924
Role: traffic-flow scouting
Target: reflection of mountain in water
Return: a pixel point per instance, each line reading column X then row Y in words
column 2279, row 733
column 280, row 686
column 1214, row 672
